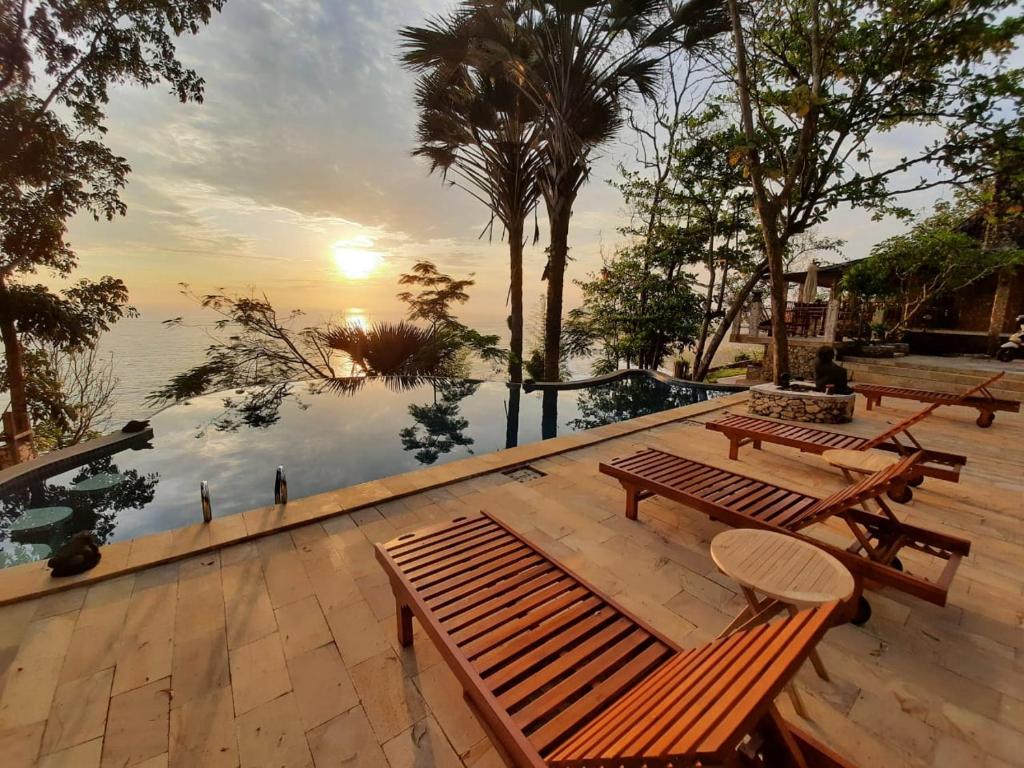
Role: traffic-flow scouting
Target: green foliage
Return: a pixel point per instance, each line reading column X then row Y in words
column 634, row 315
column 934, row 259
column 690, row 224
column 58, row 60
column 442, row 424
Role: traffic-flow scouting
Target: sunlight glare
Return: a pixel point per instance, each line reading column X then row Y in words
column 355, row 258
column 357, row 316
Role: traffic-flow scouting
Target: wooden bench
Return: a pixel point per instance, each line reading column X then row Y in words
column 976, row 397
column 744, row 430
column 561, row 675
column 740, row 501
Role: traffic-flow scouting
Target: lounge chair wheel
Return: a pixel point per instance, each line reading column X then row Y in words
column 897, row 564
column 916, row 481
column 860, row 618
column 901, row 494
column 985, row 420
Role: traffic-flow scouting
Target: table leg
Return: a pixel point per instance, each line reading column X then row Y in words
column 819, row 667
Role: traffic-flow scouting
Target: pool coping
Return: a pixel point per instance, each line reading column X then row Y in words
column 33, row 580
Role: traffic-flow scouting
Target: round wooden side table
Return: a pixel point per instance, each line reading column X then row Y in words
column 852, row 463
column 778, row 573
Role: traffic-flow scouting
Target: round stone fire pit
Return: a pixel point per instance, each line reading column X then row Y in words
column 800, row 405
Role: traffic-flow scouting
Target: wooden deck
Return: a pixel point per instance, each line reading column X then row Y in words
column 282, row 651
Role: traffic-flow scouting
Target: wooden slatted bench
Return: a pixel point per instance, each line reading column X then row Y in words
column 976, row 397
column 744, row 430
column 561, row 675
column 741, row 501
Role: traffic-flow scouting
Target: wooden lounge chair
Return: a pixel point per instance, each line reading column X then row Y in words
column 561, row 675
column 746, row 502
column 750, row 430
column 976, row 397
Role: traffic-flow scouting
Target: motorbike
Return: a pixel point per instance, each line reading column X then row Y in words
column 1014, row 348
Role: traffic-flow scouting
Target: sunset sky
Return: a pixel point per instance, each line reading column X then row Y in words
column 294, row 177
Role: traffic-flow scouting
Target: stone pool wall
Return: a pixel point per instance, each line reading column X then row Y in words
column 812, row 407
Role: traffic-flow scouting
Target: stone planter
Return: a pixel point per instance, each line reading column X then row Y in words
column 800, row 405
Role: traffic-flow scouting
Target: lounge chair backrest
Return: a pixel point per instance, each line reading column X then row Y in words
column 870, row 487
column 974, row 390
column 689, row 705
column 902, row 426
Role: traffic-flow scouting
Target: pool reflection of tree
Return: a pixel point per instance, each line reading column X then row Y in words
column 443, row 426
column 629, row 399
column 95, row 511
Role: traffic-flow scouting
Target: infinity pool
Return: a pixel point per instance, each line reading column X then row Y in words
column 326, row 436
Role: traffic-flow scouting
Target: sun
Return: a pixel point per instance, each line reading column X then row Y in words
column 356, row 259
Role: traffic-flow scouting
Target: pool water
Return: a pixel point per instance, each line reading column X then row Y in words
column 326, row 436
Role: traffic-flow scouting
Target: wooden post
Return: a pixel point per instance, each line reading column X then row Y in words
column 10, row 438
column 1000, row 308
column 831, row 320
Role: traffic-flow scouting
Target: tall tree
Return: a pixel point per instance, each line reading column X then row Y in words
column 587, row 59
column 817, row 84
column 479, row 132
column 57, row 61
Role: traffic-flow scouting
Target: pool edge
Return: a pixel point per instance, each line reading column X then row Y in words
column 33, row 580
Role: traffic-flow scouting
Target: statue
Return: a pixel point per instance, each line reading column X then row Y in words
column 78, row 555
column 829, row 377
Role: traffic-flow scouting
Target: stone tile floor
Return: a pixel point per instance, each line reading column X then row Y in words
column 282, row 651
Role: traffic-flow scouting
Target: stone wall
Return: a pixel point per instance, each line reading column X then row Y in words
column 801, row 359
column 791, row 405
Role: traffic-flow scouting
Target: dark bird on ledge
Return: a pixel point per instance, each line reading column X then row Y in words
column 78, row 555
column 134, row 426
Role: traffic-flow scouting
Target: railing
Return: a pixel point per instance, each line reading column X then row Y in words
column 17, row 441
column 817, row 320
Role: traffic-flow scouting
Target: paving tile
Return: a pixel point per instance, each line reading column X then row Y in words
column 199, row 609
column 423, row 745
column 346, row 740
column 137, row 725
column 389, row 698
column 78, row 713
column 302, row 626
column 202, row 732
column 145, row 651
column 258, row 673
column 321, row 684
column 356, row 631
column 95, row 643
column 34, row 672
column 270, row 736
column 200, row 666
column 247, row 606
column 85, row 755
column 443, row 694
column 19, row 746
column 286, row 578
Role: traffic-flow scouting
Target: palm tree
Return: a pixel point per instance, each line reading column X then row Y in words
column 479, row 131
column 583, row 62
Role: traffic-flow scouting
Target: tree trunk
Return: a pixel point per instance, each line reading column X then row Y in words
column 1000, row 308
column 515, row 320
column 701, row 367
column 773, row 250
column 13, row 359
column 558, row 254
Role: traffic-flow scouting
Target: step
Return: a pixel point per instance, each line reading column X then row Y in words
column 961, row 379
column 986, row 369
column 913, row 380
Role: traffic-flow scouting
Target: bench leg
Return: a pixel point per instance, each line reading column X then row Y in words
column 404, row 617
column 734, row 448
column 632, row 502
